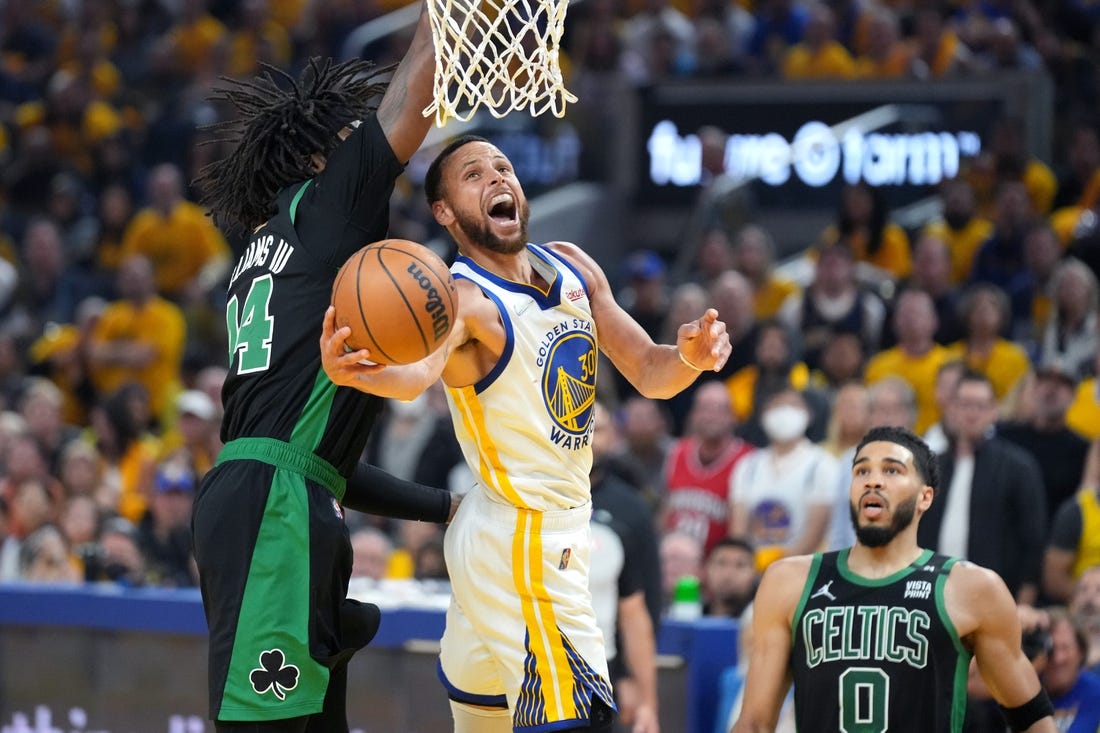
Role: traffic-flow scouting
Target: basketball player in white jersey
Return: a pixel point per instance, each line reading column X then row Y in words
column 521, row 649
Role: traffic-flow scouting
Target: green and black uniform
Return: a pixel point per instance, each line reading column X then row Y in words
column 877, row 655
column 270, row 540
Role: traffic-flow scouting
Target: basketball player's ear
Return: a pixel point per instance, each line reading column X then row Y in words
column 443, row 214
column 927, row 496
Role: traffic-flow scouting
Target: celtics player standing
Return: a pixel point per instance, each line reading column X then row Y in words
column 879, row 636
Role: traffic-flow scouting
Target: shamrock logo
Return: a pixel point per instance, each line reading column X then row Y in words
column 272, row 675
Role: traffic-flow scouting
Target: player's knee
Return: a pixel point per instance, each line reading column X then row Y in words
column 476, row 719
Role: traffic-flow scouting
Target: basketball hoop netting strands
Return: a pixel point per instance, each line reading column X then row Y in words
column 502, row 54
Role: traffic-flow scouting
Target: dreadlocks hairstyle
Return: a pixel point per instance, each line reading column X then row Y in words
column 278, row 129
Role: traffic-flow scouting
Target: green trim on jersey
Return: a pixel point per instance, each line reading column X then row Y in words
column 310, row 428
column 815, row 568
column 851, row 577
column 962, row 663
column 293, row 213
column 262, row 685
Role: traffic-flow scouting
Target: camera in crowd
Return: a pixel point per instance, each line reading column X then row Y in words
column 1037, row 641
column 116, row 557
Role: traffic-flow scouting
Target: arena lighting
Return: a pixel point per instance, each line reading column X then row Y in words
column 818, row 153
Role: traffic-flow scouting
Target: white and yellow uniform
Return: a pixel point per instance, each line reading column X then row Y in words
column 520, row 629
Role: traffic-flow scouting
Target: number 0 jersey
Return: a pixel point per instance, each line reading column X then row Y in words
column 526, row 427
column 877, row 655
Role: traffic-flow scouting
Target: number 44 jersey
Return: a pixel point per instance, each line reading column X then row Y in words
column 873, row 655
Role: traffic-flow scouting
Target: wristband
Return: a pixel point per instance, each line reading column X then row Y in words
column 1024, row 716
column 686, row 362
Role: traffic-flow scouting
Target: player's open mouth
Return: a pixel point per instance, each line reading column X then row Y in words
column 502, row 209
column 872, row 506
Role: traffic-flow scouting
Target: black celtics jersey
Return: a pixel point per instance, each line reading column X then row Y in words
column 278, row 293
column 877, row 655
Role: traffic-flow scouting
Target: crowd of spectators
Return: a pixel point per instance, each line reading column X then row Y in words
column 978, row 328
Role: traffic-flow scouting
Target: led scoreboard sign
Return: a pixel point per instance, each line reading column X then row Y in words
column 798, row 143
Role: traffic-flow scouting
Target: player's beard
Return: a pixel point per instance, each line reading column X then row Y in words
column 877, row 536
column 478, row 232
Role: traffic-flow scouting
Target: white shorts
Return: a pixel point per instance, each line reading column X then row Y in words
column 520, row 630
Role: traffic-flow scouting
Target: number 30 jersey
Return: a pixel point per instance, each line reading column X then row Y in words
column 526, row 427
column 877, row 655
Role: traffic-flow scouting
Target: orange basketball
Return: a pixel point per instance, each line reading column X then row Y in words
column 398, row 298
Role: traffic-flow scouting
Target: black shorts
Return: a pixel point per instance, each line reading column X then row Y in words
column 274, row 561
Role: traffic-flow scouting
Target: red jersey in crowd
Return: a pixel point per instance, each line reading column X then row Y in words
column 697, row 495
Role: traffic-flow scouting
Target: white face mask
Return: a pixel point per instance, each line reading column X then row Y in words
column 785, row 423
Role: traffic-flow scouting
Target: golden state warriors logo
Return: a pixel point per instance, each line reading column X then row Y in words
column 569, row 385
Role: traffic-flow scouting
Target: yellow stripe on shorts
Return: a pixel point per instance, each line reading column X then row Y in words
column 551, row 664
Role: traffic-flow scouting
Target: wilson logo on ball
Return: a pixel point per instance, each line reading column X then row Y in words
column 434, row 305
column 399, row 300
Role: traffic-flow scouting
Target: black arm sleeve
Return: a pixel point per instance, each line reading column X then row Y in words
column 372, row 490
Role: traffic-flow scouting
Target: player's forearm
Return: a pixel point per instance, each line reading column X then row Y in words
column 372, row 490
column 662, row 374
column 405, row 383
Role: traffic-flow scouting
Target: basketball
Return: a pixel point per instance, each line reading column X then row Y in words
column 398, row 298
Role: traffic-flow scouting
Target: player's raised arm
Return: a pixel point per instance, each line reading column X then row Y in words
column 400, row 113
column 985, row 614
column 657, row 371
column 769, row 675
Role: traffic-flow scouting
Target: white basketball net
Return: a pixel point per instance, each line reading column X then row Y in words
column 499, row 53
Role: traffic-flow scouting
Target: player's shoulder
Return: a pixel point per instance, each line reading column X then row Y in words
column 782, row 583
column 976, row 598
column 789, row 573
column 563, row 248
column 973, row 576
column 572, row 254
column 473, row 302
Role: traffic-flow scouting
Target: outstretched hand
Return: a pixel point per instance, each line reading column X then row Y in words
column 704, row 344
column 343, row 366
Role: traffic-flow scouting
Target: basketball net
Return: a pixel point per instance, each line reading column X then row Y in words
column 502, row 54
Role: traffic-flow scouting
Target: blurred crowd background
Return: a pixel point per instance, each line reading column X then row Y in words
column 976, row 325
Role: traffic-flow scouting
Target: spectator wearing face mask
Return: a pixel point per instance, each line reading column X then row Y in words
column 782, row 495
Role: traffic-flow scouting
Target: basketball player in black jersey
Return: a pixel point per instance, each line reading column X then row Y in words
column 310, row 179
column 879, row 636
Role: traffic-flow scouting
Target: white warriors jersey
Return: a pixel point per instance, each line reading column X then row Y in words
column 526, row 427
